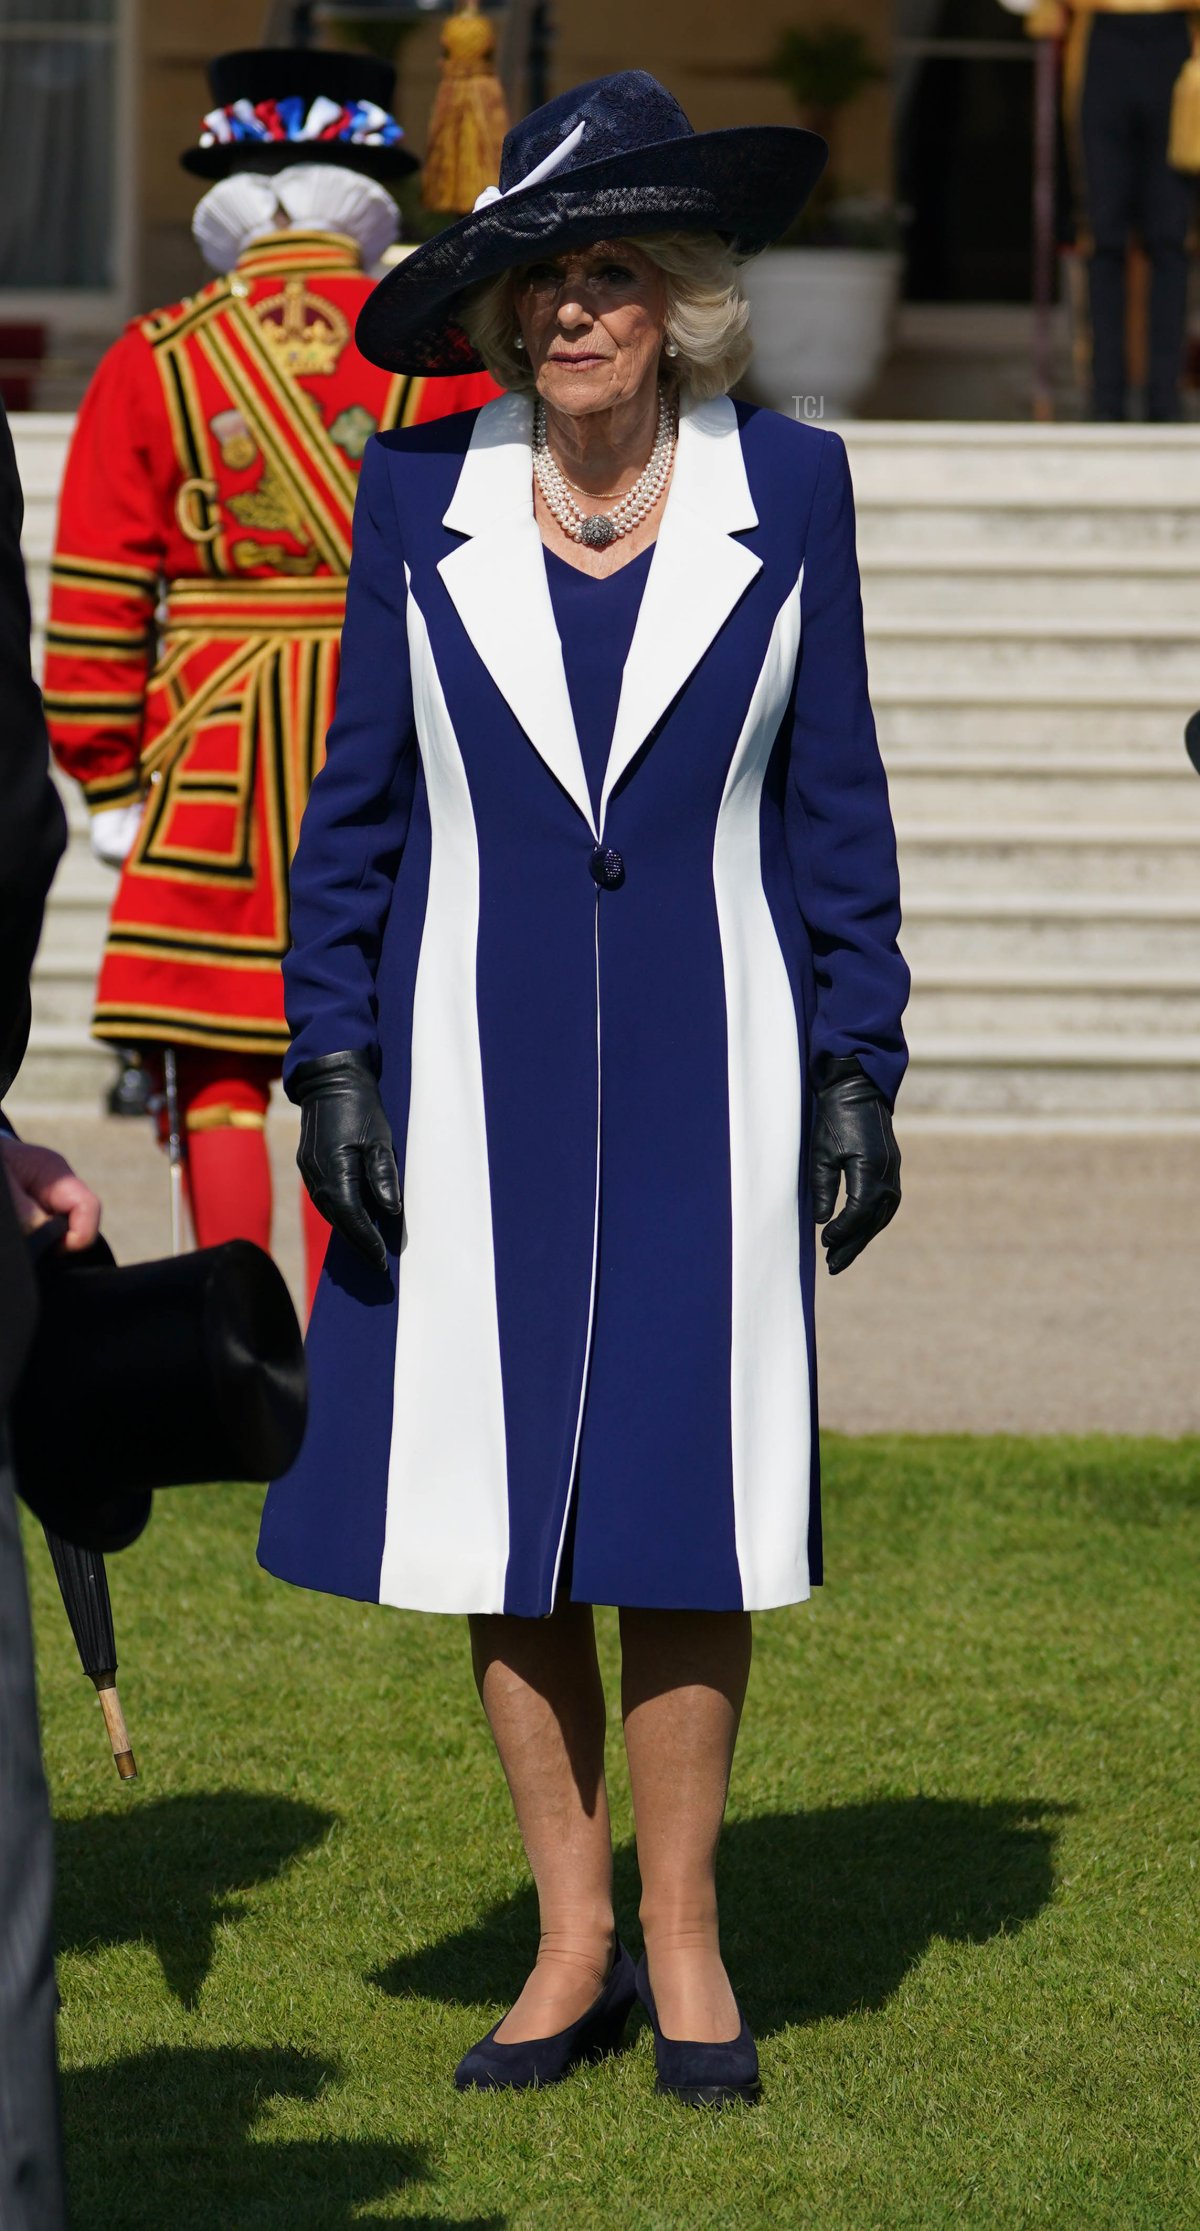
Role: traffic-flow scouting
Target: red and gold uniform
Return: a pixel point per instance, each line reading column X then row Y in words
column 198, row 592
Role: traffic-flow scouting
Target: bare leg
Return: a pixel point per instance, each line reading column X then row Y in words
column 540, row 1686
column 683, row 1683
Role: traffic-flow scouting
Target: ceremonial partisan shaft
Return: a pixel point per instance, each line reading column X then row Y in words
column 84, row 1585
column 175, row 1154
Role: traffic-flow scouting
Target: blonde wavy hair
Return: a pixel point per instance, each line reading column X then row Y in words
column 708, row 316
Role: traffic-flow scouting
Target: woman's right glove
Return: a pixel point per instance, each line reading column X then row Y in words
column 345, row 1155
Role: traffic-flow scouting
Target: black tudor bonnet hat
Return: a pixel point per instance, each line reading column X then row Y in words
column 274, row 106
column 613, row 157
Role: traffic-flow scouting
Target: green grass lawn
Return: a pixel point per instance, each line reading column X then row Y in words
column 959, row 1885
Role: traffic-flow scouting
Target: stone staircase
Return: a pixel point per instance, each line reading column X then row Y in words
column 1032, row 598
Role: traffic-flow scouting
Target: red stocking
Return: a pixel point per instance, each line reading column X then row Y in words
column 223, row 1103
column 229, row 1184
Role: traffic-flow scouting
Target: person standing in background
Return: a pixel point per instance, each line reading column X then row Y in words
column 214, row 466
column 1125, row 57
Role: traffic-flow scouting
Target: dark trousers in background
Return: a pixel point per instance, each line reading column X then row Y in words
column 1129, row 76
column 31, row 2189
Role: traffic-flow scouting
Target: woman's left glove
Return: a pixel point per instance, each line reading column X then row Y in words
column 852, row 1137
column 345, row 1155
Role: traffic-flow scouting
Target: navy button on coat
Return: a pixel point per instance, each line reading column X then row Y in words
column 602, row 1309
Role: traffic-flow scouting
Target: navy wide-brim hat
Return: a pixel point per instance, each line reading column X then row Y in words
column 609, row 159
column 274, row 106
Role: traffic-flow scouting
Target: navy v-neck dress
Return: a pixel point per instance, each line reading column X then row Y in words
column 595, row 617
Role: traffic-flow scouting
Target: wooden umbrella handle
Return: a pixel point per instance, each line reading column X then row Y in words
column 114, row 1721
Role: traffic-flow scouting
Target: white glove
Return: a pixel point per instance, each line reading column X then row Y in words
column 113, row 832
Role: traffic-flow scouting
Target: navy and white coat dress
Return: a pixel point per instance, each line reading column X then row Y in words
column 594, row 1032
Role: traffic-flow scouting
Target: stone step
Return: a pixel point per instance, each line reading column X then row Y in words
column 72, row 935
column 79, row 869
column 956, row 788
column 1050, row 656
column 882, row 549
column 78, row 817
column 1084, row 695
column 1055, row 931
column 1066, row 1010
column 1026, row 535
column 40, row 439
column 1022, row 862
column 1005, row 715
column 63, row 1067
column 80, row 873
column 993, row 586
column 1029, row 754
column 1097, row 1050
column 63, row 986
column 943, row 1082
column 1023, row 466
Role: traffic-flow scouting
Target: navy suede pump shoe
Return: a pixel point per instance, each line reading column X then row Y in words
column 490, row 2066
column 701, row 2075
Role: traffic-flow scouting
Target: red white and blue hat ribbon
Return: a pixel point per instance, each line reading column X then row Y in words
column 297, row 121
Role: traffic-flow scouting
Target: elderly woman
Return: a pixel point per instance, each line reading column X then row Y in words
column 595, row 918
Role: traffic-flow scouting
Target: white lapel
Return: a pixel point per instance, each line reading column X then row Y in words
column 498, row 584
column 697, row 575
column 497, row 581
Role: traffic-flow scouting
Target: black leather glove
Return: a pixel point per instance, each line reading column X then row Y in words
column 852, row 1137
column 345, row 1156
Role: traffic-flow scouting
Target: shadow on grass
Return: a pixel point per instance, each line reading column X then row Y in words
column 823, row 1914
column 164, row 2139
column 163, row 1872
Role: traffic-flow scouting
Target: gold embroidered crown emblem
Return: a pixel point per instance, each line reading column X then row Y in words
column 304, row 331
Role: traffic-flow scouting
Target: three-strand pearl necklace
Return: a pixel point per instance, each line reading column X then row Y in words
column 598, row 528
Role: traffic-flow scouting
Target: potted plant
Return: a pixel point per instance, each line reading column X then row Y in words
column 823, row 299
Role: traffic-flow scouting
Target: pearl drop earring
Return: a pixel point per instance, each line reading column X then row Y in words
column 671, row 348
column 518, row 343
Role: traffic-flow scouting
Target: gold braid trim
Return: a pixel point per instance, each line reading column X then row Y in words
column 222, row 1117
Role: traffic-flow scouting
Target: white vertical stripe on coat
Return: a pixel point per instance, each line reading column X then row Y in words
column 446, row 1538
column 769, row 1390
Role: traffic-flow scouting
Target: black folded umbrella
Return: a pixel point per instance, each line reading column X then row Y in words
column 84, row 1584
column 188, row 1370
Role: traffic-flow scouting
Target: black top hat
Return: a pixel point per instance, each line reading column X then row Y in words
column 273, row 106
column 162, row 1374
column 613, row 157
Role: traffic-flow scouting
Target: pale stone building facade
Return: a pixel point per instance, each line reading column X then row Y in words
column 98, row 97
